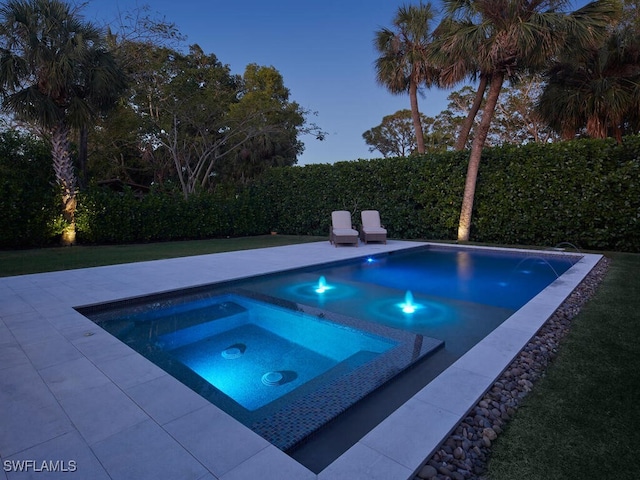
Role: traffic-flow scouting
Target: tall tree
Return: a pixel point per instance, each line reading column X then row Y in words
column 262, row 89
column 212, row 123
column 454, row 69
column 509, row 37
column 56, row 73
column 452, row 121
column 516, row 119
column 188, row 104
column 402, row 65
column 597, row 90
column 395, row 136
column 115, row 150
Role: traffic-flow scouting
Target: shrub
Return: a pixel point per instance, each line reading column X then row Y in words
column 586, row 192
column 29, row 200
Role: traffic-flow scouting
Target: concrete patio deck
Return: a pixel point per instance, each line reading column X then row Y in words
column 71, row 393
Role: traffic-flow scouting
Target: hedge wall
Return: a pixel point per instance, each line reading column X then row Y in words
column 105, row 217
column 586, row 192
column 29, row 201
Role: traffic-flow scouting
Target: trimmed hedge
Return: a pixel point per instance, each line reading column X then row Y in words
column 30, row 211
column 416, row 197
column 586, row 192
column 106, row 217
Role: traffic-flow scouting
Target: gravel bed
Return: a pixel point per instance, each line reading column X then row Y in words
column 464, row 454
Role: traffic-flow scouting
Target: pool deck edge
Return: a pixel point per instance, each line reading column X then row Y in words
column 63, row 376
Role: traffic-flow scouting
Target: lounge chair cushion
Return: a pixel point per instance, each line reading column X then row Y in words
column 378, row 230
column 341, row 219
column 371, row 229
column 342, row 230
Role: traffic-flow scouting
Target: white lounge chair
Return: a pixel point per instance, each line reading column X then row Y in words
column 371, row 230
column 342, row 230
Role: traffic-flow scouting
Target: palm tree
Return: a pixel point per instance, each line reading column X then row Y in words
column 596, row 90
column 55, row 73
column 453, row 70
column 402, row 65
column 509, row 37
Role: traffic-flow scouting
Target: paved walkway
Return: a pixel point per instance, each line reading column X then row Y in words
column 72, row 397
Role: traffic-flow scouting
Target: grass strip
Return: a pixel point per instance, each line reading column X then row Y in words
column 21, row 262
column 582, row 418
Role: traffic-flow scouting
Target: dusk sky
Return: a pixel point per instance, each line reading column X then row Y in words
column 324, row 51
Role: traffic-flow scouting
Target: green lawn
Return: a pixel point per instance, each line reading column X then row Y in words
column 582, row 420
column 19, row 262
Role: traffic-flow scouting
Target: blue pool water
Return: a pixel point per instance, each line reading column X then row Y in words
column 280, row 371
column 287, row 352
column 261, row 352
column 461, row 294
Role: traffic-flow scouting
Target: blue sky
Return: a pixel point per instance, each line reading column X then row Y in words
column 323, row 49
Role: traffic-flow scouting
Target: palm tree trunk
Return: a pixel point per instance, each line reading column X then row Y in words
column 83, row 147
column 415, row 115
column 66, row 178
column 474, row 158
column 468, row 122
column 596, row 127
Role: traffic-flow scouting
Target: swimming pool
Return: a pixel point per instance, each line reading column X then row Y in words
column 362, row 292
column 282, row 372
column 459, row 295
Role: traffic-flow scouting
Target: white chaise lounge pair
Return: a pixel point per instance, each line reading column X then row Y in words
column 342, row 231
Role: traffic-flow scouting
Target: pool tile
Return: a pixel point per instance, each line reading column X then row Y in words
column 269, row 464
column 30, row 414
column 216, row 439
column 30, row 328
column 68, row 378
column 454, row 390
column 131, row 370
column 410, row 433
column 70, row 451
column 97, row 345
column 6, row 336
column 11, row 355
column 13, row 304
column 494, row 353
column 208, row 476
column 166, row 399
column 146, row 452
column 363, row 462
column 52, row 351
column 101, row 411
column 66, row 318
column 528, row 320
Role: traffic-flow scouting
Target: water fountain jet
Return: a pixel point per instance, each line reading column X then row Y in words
column 408, row 306
column 322, row 285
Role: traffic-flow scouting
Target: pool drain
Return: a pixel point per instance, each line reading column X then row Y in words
column 234, row 351
column 271, row 379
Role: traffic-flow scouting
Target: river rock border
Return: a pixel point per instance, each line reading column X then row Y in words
column 464, row 454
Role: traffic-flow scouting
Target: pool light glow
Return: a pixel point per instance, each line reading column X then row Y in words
column 408, row 306
column 322, row 285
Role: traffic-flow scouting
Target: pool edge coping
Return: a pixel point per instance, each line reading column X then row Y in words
column 377, row 454
column 440, row 399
